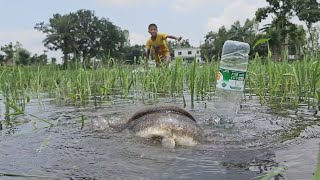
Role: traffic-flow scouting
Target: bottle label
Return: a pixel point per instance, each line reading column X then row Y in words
column 231, row 79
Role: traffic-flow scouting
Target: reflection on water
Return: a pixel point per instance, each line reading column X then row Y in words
column 258, row 140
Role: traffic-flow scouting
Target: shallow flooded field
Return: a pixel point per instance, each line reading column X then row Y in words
column 73, row 146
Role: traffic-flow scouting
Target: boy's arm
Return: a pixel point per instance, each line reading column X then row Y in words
column 174, row 37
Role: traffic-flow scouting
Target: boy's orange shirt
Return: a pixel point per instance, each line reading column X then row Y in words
column 158, row 46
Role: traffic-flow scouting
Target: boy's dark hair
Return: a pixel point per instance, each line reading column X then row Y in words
column 152, row 25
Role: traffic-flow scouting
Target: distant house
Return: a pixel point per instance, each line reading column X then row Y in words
column 188, row 54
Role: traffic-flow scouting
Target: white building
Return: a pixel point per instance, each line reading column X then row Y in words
column 188, row 54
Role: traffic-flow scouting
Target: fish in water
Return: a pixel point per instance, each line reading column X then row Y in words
column 173, row 125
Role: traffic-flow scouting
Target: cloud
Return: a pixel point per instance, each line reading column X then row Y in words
column 117, row 2
column 31, row 40
column 187, row 5
column 193, row 5
column 125, row 2
column 234, row 10
column 138, row 38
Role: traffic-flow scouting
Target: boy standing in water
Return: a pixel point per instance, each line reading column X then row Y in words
column 158, row 44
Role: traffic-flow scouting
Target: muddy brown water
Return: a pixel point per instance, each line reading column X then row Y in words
column 260, row 139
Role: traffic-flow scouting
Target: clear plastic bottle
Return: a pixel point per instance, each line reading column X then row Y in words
column 230, row 81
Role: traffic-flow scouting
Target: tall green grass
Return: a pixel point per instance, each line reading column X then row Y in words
column 280, row 82
column 273, row 81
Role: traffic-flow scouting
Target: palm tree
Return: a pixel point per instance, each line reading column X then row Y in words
column 59, row 34
column 283, row 12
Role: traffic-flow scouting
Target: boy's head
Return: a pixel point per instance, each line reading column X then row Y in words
column 153, row 29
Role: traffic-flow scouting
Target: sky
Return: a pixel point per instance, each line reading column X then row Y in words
column 191, row 19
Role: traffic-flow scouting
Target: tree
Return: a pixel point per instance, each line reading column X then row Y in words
column 39, row 59
column 53, row 60
column 283, row 11
column 17, row 55
column 315, row 34
column 95, row 37
column 214, row 41
column 134, row 53
column 309, row 12
column 9, row 53
column 2, row 59
column 297, row 40
column 82, row 35
column 126, row 36
column 60, row 34
column 245, row 33
column 174, row 45
column 248, row 33
column 23, row 57
column 86, row 33
column 112, row 39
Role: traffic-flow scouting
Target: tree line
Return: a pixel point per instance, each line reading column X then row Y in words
column 83, row 37
column 283, row 36
column 16, row 54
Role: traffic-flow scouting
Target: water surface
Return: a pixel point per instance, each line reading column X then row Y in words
column 260, row 139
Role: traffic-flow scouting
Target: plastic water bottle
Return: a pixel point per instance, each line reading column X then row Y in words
column 230, row 80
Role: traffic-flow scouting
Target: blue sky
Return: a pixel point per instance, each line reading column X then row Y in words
column 191, row 19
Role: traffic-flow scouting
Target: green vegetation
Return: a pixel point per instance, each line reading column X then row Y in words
column 295, row 82
column 79, row 85
column 83, row 35
column 285, row 82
